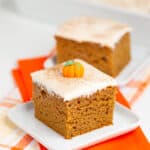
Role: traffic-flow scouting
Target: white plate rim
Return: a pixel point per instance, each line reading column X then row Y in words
column 107, row 137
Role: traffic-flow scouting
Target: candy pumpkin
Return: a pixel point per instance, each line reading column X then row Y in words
column 73, row 69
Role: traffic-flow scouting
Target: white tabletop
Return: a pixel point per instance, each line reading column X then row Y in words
column 20, row 38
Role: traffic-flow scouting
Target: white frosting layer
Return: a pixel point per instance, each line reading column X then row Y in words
column 70, row 88
column 88, row 29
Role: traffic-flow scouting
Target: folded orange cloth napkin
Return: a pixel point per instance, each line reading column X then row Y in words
column 134, row 140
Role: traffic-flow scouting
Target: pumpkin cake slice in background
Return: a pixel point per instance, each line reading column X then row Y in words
column 73, row 97
column 103, row 43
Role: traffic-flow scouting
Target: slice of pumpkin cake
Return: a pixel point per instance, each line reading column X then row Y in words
column 105, row 44
column 73, row 98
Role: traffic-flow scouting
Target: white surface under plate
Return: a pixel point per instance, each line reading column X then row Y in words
column 23, row 116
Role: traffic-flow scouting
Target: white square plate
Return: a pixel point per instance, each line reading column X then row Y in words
column 23, row 116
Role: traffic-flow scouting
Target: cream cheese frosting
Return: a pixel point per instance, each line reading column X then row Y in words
column 90, row 29
column 70, row 88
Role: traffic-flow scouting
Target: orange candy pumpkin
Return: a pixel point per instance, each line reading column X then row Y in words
column 73, row 69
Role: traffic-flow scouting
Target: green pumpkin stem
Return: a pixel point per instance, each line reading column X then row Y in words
column 69, row 62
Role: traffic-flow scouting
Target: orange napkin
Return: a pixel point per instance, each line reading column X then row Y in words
column 134, row 140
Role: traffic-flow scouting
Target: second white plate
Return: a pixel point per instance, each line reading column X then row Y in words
column 136, row 63
column 23, row 116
